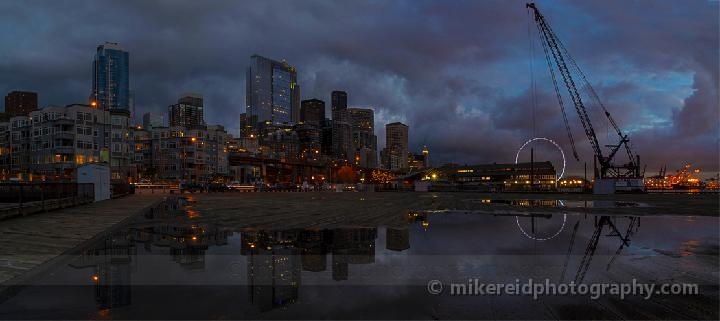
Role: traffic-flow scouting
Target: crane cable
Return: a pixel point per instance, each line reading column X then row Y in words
column 533, row 86
column 548, row 59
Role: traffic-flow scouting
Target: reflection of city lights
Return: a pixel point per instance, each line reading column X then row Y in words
column 95, row 278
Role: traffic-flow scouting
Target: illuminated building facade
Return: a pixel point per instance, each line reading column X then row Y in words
column 272, row 92
column 395, row 154
column 364, row 141
column 501, row 177
column 52, row 141
column 111, row 77
column 188, row 112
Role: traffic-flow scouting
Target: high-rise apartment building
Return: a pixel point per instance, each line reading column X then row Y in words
column 272, row 93
column 111, row 78
column 188, row 111
column 20, row 103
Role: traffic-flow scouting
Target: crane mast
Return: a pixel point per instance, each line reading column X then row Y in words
column 556, row 52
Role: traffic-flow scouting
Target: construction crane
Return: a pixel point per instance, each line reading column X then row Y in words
column 566, row 65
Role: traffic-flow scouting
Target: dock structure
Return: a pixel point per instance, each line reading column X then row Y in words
column 30, row 241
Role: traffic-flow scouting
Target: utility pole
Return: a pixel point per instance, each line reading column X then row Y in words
column 532, row 169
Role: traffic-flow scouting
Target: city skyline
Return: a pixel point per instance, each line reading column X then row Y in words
column 462, row 116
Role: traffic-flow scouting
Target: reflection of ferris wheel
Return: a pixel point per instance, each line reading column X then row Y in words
column 517, row 156
column 535, row 237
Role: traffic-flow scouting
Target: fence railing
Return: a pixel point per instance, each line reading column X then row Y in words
column 19, row 193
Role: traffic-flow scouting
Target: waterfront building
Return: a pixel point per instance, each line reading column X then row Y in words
column 190, row 154
column 53, row 141
column 501, row 177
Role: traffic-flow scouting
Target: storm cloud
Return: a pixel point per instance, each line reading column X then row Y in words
column 457, row 72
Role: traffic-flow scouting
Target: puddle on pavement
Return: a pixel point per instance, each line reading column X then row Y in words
column 167, row 265
column 557, row 203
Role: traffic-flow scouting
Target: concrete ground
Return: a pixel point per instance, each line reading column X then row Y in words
column 327, row 209
column 27, row 242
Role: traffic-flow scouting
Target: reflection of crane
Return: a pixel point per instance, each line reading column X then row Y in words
column 553, row 47
column 595, row 238
column 632, row 227
column 567, row 257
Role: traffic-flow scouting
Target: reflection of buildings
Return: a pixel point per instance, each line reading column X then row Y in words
column 186, row 243
column 276, row 258
column 397, row 239
column 351, row 246
column 273, row 268
column 112, row 261
column 313, row 258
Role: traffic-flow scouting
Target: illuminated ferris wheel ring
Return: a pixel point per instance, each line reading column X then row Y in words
column 547, row 140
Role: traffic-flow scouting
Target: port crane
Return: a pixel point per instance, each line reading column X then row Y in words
column 566, row 65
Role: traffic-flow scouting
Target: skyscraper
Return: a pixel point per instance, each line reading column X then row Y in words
column 341, row 131
column 20, row 103
column 364, row 141
column 111, row 80
column 395, row 155
column 312, row 111
column 272, row 93
column 339, row 103
column 188, row 111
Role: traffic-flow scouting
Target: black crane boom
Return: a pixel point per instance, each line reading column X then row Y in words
column 554, row 48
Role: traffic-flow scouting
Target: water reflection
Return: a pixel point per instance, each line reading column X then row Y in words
column 251, row 272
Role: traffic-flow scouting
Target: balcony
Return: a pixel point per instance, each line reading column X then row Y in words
column 64, row 135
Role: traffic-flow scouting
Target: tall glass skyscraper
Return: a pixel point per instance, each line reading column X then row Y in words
column 111, row 80
column 272, row 93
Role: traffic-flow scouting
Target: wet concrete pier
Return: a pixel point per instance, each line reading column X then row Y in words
column 29, row 241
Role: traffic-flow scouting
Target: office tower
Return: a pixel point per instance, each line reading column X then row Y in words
column 20, row 103
column 327, row 138
column 111, row 79
column 395, row 154
column 188, row 111
column 339, row 103
column 272, row 93
column 342, row 132
column 312, row 111
column 153, row 120
column 364, row 141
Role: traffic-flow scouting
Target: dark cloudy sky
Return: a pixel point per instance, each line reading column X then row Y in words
column 457, row 72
